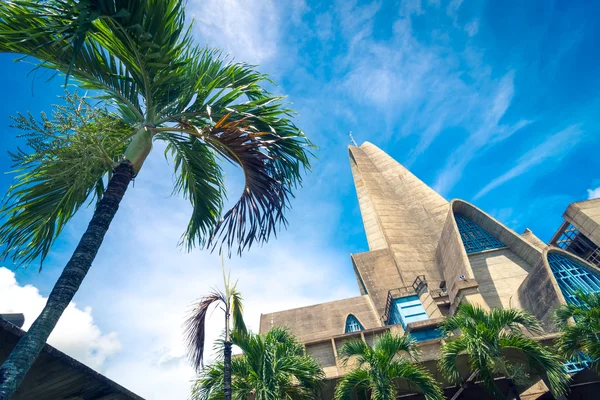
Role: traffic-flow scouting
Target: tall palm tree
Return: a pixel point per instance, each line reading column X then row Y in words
column 273, row 366
column 487, row 337
column 381, row 365
column 157, row 85
column 582, row 337
column 195, row 327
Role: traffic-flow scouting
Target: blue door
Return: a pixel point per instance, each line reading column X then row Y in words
column 408, row 309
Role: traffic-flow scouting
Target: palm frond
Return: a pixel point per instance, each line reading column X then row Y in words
column 63, row 167
column 271, row 161
column 351, row 382
column 389, row 345
column 449, row 357
column 402, row 369
column 199, row 178
column 272, row 366
column 542, row 359
column 510, row 318
column 355, row 348
column 195, row 328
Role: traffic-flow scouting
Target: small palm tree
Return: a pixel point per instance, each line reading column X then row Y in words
column 381, row 365
column 154, row 84
column 195, row 327
column 582, row 337
column 486, row 336
column 273, row 366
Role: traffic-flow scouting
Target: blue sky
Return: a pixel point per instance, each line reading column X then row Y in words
column 495, row 103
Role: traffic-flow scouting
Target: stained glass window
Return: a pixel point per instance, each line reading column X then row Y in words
column 352, row 324
column 474, row 237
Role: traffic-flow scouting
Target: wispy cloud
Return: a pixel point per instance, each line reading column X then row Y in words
column 488, row 131
column 555, row 147
column 249, row 30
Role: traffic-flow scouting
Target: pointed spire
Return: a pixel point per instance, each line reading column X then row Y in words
column 400, row 212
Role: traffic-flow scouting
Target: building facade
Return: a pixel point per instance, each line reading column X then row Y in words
column 426, row 256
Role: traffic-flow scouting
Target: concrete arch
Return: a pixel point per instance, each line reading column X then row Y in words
column 453, row 260
column 540, row 293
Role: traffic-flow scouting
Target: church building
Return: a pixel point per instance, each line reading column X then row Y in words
column 427, row 255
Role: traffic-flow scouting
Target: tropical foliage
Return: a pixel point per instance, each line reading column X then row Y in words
column 273, row 366
column 152, row 84
column 487, row 338
column 380, row 366
column 195, row 326
column 140, row 56
column 581, row 338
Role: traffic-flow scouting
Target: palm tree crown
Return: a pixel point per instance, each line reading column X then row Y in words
column 582, row 337
column 195, row 326
column 273, row 366
column 486, row 336
column 381, row 365
column 141, row 59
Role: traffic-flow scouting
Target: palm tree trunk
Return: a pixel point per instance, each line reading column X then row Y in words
column 227, row 371
column 22, row 357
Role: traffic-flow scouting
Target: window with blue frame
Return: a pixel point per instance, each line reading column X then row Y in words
column 572, row 276
column 474, row 237
column 352, row 324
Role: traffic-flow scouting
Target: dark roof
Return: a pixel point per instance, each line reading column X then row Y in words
column 56, row 376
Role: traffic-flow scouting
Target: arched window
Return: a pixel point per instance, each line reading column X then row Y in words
column 474, row 237
column 571, row 276
column 352, row 324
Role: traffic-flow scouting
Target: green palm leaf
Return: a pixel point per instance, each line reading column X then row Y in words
column 485, row 336
column 272, row 366
column 381, row 365
column 72, row 152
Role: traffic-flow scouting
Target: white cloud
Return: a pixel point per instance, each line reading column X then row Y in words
column 76, row 333
column 555, row 147
column 593, row 193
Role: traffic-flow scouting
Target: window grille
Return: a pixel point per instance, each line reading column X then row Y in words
column 474, row 237
column 571, row 276
column 577, row 243
column 352, row 324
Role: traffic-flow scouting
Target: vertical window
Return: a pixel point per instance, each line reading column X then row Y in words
column 571, row 276
column 352, row 324
column 474, row 237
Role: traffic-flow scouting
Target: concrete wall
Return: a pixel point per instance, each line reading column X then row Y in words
column 499, row 273
column 451, row 256
column 379, row 273
column 322, row 321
